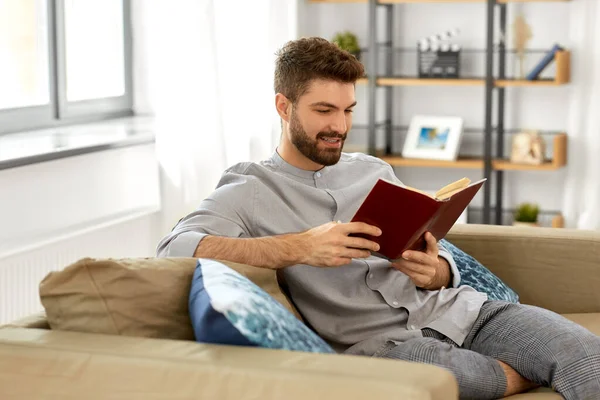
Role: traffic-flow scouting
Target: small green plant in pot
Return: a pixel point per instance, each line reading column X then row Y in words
column 526, row 214
column 347, row 41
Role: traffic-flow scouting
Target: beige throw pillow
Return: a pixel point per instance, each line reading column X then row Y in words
column 145, row 297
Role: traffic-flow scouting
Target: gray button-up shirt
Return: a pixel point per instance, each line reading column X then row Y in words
column 358, row 307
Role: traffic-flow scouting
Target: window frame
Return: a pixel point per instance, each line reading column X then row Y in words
column 59, row 111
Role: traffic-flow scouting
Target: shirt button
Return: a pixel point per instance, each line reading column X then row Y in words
column 318, row 174
column 412, row 327
column 395, row 303
column 370, row 276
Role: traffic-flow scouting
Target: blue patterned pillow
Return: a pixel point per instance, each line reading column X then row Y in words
column 227, row 308
column 474, row 274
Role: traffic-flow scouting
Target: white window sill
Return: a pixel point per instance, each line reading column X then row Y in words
column 31, row 147
column 44, row 202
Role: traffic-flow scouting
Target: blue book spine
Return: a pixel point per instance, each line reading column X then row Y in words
column 544, row 62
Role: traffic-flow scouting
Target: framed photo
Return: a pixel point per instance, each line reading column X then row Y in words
column 436, row 138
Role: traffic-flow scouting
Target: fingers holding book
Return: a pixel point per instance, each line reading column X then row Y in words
column 353, row 228
column 333, row 244
column 424, row 268
column 431, row 250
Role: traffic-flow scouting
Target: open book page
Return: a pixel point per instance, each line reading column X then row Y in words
column 441, row 194
column 444, row 193
column 450, row 190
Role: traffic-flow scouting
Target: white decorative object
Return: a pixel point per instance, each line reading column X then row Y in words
column 438, row 38
column 528, row 148
column 431, row 137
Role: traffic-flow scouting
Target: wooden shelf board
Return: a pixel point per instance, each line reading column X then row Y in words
column 338, row 1
column 466, row 1
column 518, row 82
column 391, row 81
column 533, row 1
column 463, row 1
column 437, row 1
column 428, row 1
column 506, row 165
column 397, row 161
column 468, row 163
column 558, row 221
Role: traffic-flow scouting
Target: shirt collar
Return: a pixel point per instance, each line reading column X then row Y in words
column 290, row 169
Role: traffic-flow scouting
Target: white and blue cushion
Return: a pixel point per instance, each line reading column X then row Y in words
column 227, row 308
column 475, row 275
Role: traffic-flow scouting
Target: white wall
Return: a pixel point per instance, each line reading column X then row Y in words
column 54, row 200
column 526, row 108
column 21, row 273
column 103, row 205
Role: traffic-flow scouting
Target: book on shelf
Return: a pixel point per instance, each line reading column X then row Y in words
column 404, row 214
column 543, row 63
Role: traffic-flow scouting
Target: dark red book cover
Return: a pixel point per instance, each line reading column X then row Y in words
column 404, row 215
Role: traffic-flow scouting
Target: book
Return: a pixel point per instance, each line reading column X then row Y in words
column 543, row 63
column 404, row 214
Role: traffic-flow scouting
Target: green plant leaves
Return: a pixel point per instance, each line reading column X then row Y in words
column 347, row 41
column 527, row 212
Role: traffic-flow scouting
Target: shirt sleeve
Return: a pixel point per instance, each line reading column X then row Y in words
column 226, row 212
column 453, row 269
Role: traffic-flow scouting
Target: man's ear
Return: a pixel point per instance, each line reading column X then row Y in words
column 283, row 106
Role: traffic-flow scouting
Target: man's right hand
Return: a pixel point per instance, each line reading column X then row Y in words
column 330, row 245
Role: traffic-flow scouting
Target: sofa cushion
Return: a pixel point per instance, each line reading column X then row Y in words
column 227, row 308
column 590, row 321
column 146, row 297
column 475, row 275
column 53, row 365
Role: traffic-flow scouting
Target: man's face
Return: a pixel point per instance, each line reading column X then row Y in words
column 320, row 121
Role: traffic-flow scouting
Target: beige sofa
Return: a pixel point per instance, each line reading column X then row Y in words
column 557, row 269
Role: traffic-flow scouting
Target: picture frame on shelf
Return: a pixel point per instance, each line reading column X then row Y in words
column 433, row 137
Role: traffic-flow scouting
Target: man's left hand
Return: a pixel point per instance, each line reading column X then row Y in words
column 425, row 268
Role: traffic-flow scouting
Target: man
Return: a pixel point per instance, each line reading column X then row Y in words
column 280, row 214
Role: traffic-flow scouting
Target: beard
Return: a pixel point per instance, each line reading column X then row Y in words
column 310, row 147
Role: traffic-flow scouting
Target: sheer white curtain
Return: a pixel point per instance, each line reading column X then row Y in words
column 204, row 68
column 247, row 34
column 582, row 194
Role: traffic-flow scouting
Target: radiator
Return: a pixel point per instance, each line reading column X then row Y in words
column 21, row 273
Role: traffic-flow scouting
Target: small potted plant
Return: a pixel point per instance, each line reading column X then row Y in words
column 347, row 41
column 526, row 214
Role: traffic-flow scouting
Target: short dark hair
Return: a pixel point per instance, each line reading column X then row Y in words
column 301, row 61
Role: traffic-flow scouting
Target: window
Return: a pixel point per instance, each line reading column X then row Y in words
column 24, row 80
column 94, row 49
column 63, row 61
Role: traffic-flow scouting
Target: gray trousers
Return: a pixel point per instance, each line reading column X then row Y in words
column 542, row 346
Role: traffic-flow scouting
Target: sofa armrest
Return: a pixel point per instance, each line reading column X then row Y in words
column 39, row 363
column 557, row 269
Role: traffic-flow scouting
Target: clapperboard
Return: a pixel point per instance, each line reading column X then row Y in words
column 437, row 58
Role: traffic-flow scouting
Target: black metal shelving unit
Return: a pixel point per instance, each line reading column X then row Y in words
column 492, row 211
